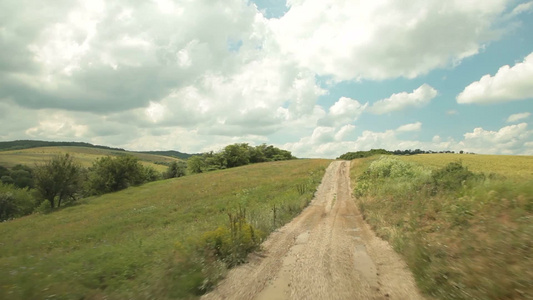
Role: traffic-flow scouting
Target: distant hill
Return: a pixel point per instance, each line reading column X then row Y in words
column 171, row 153
column 27, row 144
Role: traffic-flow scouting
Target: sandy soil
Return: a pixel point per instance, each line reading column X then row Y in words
column 327, row 252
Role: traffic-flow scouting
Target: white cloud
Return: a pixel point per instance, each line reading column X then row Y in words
column 517, row 117
column 410, row 127
column 384, row 39
column 419, row 97
column 344, row 111
column 510, row 139
column 452, row 112
column 344, row 132
column 509, row 84
column 523, row 8
column 148, row 75
column 513, row 139
column 57, row 126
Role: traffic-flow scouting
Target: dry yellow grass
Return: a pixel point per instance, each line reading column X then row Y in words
column 85, row 156
column 512, row 166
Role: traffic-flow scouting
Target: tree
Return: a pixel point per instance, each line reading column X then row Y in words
column 109, row 174
column 195, row 164
column 58, row 179
column 175, row 169
column 237, row 155
column 22, row 176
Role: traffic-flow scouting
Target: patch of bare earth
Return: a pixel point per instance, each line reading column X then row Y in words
column 327, row 252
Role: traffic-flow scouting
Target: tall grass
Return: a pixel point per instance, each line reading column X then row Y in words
column 464, row 235
column 154, row 241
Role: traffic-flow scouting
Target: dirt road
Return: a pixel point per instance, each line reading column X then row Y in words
column 327, row 252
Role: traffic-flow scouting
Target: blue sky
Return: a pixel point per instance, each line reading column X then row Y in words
column 319, row 78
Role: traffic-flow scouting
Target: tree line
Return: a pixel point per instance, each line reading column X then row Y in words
column 234, row 156
column 361, row 154
column 26, row 144
column 62, row 180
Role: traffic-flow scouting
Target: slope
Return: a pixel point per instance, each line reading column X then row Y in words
column 84, row 155
column 130, row 244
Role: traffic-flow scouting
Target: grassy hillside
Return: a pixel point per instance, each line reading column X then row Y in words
column 465, row 235
column 26, row 144
column 84, row 155
column 171, row 153
column 134, row 244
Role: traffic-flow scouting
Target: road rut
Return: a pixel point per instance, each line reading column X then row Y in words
column 327, row 252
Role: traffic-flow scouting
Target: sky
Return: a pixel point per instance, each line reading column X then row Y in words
column 316, row 77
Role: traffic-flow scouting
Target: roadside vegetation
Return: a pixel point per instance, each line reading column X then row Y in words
column 464, row 227
column 167, row 239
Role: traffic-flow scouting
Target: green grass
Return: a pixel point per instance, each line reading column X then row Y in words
column 84, row 155
column 466, row 239
column 137, row 243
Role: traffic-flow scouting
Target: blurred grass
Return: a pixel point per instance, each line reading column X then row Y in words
column 472, row 242
column 84, row 155
column 129, row 244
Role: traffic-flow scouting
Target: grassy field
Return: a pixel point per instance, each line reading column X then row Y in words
column 464, row 235
column 84, row 155
column 135, row 244
column 513, row 167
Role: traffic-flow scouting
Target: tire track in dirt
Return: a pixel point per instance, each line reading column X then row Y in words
column 327, row 252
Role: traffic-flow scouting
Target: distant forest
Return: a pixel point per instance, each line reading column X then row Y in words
column 26, row 144
column 361, row 154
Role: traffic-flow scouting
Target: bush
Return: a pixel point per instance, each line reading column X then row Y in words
column 175, row 169
column 231, row 244
column 109, row 174
column 15, row 202
column 388, row 166
column 44, row 208
column 452, row 177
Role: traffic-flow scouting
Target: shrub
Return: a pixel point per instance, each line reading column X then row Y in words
column 388, row 166
column 452, row 177
column 109, row 174
column 231, row 244
column 15, row 202
column 175, row 169
column 44, row 208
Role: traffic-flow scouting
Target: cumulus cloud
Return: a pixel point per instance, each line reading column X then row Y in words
column 419, row 97
column 149, row 75
column 509, row 84
column 517, row 117
column 344, row 111
column 112, row 56
column 507, row 140
column 384, row 39
column 513, row 139
column 410, row 127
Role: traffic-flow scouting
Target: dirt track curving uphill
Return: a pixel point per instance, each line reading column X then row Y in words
column 327, row 252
